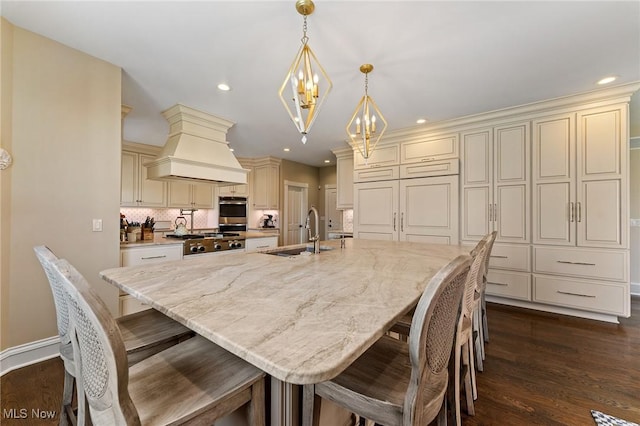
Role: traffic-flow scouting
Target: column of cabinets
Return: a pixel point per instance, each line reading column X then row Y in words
column 580, row 226
column 136, row 190
column 344, row 178
column 495, row 197
column 398, row 196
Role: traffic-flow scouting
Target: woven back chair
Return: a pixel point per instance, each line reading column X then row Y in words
column 191, row 381
column 481, row 325
column 396, row 383
column 464, row 353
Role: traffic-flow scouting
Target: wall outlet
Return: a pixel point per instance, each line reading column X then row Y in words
column 97, row 225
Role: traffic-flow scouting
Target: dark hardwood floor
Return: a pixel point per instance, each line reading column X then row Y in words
column 540, row 369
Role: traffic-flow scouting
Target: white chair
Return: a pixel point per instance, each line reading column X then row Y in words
column 145, row 333
column 463, row 346
column 193, row 382
column 396, row 383
column 480, row 323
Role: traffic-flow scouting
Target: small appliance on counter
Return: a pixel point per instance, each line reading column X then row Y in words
column 267, row 221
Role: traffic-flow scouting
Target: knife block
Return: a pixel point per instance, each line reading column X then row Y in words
column 147, row 234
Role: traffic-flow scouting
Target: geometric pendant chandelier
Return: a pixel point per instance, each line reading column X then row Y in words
column 306, row 85
column 367, row 124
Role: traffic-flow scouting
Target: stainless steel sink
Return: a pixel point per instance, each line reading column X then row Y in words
column 290, row 252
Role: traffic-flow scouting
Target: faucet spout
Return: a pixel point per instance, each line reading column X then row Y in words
column 316, row 237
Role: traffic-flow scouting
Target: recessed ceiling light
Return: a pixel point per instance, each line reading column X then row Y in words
column 421, row 121
column 286, row 150
column 224, row 87
column 607, row 80
column 327, row 161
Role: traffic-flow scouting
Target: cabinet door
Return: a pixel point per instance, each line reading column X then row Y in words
column 429, row 210
column 129, row 175
column 153, row 193
column 554, row 180
column 179, row 195
column 375, row 210
column 274, row 187
column 202, row 195
column 344, row 177
column 511, row 183
column 261, row 186
column 431, row 149
column 477, row 196
column 382, row 156
column 602, row 216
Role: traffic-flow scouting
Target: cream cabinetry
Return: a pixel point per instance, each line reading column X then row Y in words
column 579, row 177
column 238, row 190
column 344, row 178
column 266, row 184
column 191, row 195
column 580, row 230
column 419, row 210
column 142, row 255
column 136, row 190
column 495, row 183
column 252, row 244
column 383, row 156
column 429, row 149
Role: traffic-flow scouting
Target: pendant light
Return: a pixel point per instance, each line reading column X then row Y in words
column 364, row 129
column 306, row 84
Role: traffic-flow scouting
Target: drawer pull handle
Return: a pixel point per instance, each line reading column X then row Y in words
column 566, row 262
column 262, row 247
column 502, row 284
column 575, row 294
column 154, row 257
column 499, row 257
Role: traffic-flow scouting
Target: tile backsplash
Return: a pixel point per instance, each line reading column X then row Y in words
column 202, row 219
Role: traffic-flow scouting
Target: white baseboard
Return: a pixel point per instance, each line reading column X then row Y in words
column 29, row 353
column 635, row 289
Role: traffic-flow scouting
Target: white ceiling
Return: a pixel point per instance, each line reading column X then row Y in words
column 437, row 60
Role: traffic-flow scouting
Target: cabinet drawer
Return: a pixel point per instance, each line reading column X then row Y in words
column 587, row 263
column 510, row 256
column 374, row 174
column 429, row 150
column 430, row 168
column 252, row 244
column 382, row 156
column 592, row 296
column 514, row 285
column 139, row 256
column 131, row 305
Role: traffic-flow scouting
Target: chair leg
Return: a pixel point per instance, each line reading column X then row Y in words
column 477, row 328
column 468, row 387
column 67, row 399
column 472, row 367
column 485, row 324
column 257, row 404
column 456, row 385
column 310, row 406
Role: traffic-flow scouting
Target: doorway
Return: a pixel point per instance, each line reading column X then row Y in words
column 295, row 212
column 333, row 215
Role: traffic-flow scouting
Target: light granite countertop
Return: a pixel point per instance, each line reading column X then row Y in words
column 158, row 239
column 301, row 319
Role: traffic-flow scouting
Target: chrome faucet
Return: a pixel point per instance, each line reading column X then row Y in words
column 315, row 238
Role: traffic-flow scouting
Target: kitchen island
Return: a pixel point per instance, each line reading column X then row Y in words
column 302, row 319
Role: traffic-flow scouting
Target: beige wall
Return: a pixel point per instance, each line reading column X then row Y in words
column 61, row 123
column 634, row 182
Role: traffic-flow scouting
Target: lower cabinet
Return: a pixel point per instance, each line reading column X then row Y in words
column 252, row 244
column 142, row 255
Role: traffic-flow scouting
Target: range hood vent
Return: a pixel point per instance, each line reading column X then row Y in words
column 196, row 150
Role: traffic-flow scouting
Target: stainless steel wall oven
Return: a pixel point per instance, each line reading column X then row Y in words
column 232, row 214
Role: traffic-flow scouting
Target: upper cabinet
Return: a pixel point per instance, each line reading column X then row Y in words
column 495, row 183
column 344, row 178
column 191, row 195
column 579, row 177
column 136, row 190
column 382, row 156
column 429, row 149
column 266, row 184
column 238, row 190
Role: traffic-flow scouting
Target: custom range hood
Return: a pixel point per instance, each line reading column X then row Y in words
column 196, row 150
